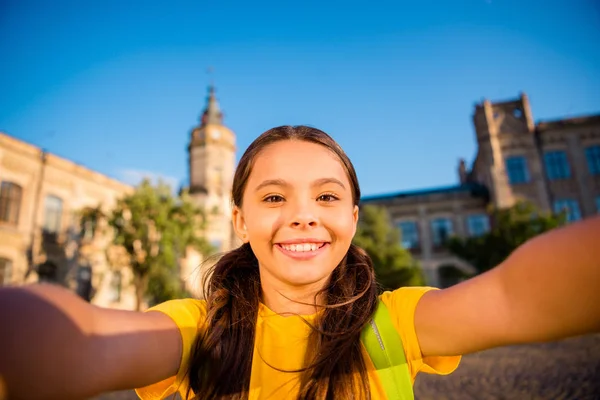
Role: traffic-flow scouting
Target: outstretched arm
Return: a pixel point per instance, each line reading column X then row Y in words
column 54, row 345
column 548, row 289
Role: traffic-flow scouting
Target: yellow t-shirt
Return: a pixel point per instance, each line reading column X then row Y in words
column 281, row 342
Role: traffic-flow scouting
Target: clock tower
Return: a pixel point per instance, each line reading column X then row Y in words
column 211, row 166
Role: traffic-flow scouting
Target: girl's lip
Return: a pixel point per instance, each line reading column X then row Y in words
column 303, row 255
column 302, row 240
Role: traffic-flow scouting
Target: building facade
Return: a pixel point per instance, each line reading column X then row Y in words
column 553, row 164
column 42, row 200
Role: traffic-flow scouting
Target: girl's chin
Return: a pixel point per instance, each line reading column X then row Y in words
column 299, row 272
column 306, row 278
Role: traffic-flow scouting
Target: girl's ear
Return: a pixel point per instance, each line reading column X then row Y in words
column 239, row 225
column 355, row 218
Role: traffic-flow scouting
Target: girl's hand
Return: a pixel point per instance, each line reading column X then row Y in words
column 55, row 345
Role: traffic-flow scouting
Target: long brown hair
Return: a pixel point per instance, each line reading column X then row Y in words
column 221, row 361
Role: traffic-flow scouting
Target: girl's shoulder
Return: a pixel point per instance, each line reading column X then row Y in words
column 189, row 315
column 185, row 312
column 403, row 297
column 402, row 304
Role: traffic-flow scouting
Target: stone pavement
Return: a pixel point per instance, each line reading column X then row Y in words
column 569, row 369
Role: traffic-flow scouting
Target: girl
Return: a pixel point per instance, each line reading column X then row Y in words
column 284, row 312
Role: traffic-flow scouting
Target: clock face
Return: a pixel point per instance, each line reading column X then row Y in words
column 216, row 134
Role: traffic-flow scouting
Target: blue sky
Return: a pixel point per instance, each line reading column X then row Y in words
column 117, row 85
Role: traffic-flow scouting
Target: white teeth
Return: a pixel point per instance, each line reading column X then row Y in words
column 301, row 247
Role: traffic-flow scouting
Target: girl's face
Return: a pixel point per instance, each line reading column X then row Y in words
column 297, row 213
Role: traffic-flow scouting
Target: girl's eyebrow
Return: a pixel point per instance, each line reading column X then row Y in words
column 282, row 183
column 324, row 181
column 272, row 182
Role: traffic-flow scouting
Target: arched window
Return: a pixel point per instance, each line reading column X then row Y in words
column 52, row 214
column 10, row 202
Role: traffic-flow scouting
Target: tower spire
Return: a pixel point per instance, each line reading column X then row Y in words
column 212, row 113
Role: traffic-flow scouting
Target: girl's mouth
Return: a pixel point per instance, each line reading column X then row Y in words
column 302, row 247
column 302, row 251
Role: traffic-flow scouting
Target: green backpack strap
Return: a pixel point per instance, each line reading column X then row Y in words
column 384, row 345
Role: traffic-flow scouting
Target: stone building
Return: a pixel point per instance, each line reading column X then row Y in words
column 43, row 198
column 211, row 155
column 212, row 161
column 42, row 238
column 554, row 164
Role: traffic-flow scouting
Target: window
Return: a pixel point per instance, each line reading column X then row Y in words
column 570, row 207
column 5, row 271
column 557, row 165
column 73, row 226
column 478, row 224
column 10, row 202
column 115, row 286
column 516, row 169
column 592, row 154
column 409, row 234
column 91, row 219
column 442, row 230
column 84, row 282
column 218, row 179
column 53, row 214
column 87, row 231
column 47, row 272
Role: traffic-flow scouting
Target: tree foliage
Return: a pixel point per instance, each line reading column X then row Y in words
column 510, row 228
column 394, row 265
column 155, row 228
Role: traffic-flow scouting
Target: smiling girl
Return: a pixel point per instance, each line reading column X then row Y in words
column 284, row 312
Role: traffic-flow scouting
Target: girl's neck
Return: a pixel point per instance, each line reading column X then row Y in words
column 292, row 300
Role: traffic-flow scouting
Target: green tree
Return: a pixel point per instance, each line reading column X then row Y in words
column 511, row 227
column 155, row 228
column 394, row 265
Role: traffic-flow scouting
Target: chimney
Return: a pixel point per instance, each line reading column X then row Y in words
column 462, row 171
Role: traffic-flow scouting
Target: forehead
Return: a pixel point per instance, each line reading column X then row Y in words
column 296, row 160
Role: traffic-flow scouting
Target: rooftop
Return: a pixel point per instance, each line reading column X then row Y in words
column 568, row 122
column 475, row 189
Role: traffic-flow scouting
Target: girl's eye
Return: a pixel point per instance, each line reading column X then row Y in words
column 273, row 198
column 327, row 197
